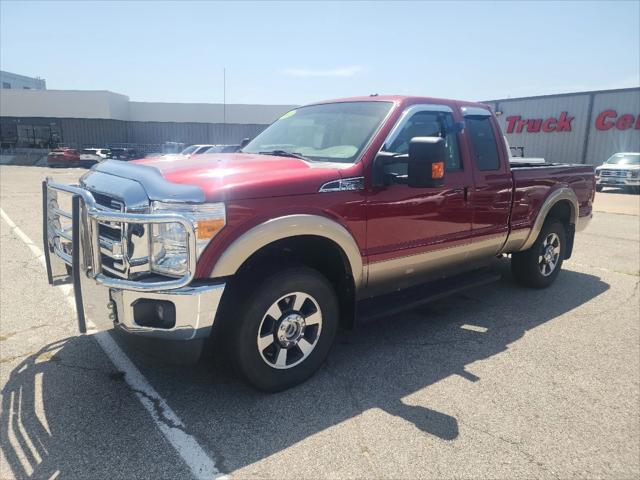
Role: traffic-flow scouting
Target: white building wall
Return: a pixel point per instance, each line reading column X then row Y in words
column 603, row 143
column 113, row 106
column 205, row 112
column 585, row 143
column 64, row 104
column 563, row 147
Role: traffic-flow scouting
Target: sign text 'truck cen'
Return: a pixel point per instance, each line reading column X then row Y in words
column 605, row 120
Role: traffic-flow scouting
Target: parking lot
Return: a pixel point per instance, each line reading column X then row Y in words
column 498, row 382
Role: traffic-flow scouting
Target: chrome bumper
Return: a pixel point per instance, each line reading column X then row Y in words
column 105, row 302
column 618, row 181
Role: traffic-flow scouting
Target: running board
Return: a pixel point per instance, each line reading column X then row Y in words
column 395, row 302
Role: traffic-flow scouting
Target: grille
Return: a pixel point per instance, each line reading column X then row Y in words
column 613, row 173
column 112, row 236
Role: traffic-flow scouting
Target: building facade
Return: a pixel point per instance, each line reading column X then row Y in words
column 584, row 127
column 80, row 119
column 14, row 81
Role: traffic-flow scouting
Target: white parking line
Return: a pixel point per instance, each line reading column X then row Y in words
column 200, row 464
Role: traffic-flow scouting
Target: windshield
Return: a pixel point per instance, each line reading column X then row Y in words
column 215, row 149
column 332, row 132
column 188, row 150
column 624, row 159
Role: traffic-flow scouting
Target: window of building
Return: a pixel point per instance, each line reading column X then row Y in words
column 26, row 88
column 6, row 85
column 484, row 142
column 37, row 133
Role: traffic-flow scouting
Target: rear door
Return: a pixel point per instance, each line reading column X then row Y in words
column 492, row 196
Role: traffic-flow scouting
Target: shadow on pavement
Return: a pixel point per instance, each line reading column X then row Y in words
column 375, row 366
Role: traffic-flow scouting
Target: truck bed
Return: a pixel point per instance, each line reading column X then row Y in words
column 534, row 182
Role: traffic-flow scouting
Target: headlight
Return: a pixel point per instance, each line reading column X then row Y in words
column 632, row 173
column 169, row 240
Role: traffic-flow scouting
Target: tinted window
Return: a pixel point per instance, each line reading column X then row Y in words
column 429, row 124
column 484, row 142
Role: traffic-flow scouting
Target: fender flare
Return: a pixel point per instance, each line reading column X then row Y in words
column 559, row 195
column 284, row 227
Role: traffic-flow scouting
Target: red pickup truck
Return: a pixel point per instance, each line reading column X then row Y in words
column 339, row 210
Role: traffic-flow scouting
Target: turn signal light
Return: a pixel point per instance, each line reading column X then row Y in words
column 437, row 170
column 208, row 228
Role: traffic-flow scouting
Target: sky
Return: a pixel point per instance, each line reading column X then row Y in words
column 300, row 52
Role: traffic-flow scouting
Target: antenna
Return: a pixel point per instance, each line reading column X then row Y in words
column 224, row 106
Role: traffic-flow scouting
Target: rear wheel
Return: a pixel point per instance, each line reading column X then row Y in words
column 539, row 266
column 285, row 329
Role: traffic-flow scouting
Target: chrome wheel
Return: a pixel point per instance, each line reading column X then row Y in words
column 289, row 330
column 549, row 254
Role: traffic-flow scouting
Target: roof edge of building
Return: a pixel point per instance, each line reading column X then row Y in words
column 567, row 94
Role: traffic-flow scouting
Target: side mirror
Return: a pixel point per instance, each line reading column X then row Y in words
column 244, row 143
column 426, row 162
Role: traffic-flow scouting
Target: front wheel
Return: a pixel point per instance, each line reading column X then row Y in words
column 539, row 266
column 285, row 330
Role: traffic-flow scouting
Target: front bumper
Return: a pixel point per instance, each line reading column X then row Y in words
column 105, row 302
column 618, row 181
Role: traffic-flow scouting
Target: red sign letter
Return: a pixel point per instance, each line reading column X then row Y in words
column 601, row 120
column 547, row 125
column 511, row 123
column 564, row 124
column 624, row 122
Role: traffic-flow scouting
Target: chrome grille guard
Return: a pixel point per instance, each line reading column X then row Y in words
column 85, row 218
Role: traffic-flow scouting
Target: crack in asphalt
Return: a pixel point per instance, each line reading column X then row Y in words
column 516, row 446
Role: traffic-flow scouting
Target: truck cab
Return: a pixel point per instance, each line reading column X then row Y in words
column 339, row 210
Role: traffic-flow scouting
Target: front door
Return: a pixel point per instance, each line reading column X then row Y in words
column 405, row 224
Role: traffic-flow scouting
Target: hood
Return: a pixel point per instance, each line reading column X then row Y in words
column 227, row 176
column 612, row 166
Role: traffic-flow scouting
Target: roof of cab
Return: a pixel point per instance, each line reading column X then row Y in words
column 403, row 99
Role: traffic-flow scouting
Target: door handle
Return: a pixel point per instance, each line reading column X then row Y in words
column 464, row 190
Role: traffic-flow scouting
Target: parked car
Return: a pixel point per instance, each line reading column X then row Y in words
column 91, row 156
column 195, row 150
column 620, row 170
column 339, row 211
column 125, row 154
column 63, row 157
column 223, row 149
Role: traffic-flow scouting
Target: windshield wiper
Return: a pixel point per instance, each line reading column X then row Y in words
column 284, row 153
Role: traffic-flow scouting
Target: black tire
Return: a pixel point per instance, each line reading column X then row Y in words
column 527, row 267
column 598, row 188
column 258, row 366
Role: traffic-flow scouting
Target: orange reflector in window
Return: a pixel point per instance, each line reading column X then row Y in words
column 208, row 228
column 437, row 170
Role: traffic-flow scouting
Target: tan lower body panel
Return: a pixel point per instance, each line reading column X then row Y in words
column 403, row 272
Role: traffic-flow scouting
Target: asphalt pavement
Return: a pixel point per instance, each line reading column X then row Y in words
column 498, row 382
